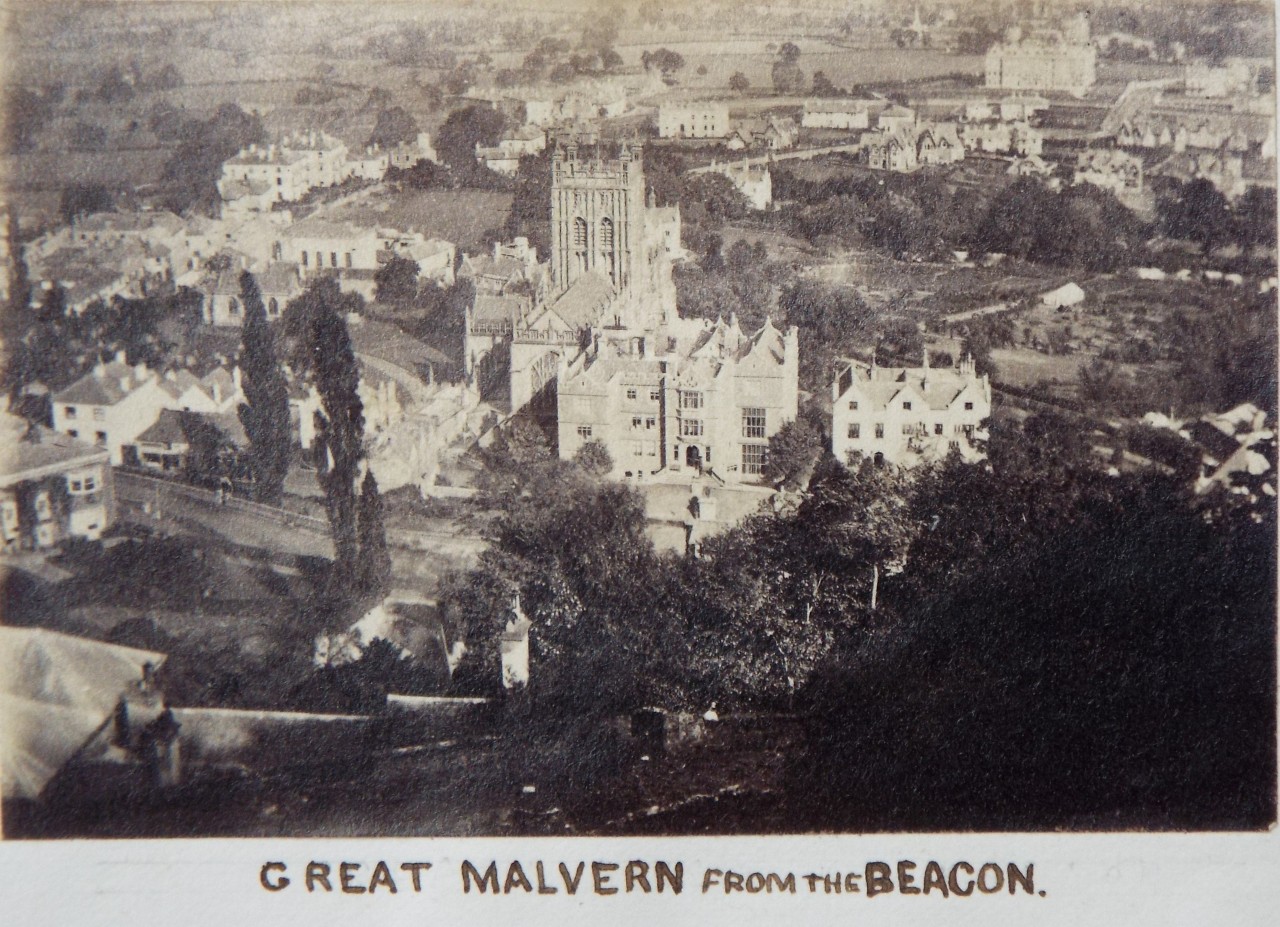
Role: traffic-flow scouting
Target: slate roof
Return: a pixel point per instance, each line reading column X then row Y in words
column 581, row 304
column 104, row 390
column 42, row 448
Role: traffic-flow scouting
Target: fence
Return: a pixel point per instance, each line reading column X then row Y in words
column 396, row 537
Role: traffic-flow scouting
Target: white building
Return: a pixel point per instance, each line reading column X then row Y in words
column 706, row 119
column 504, row 157
column 261, row 175
column 407, row 154
column 690, row 397
column 908, row 415
column 1062, row 61
column 896, row 118
column 754, row 181
column 848, row 115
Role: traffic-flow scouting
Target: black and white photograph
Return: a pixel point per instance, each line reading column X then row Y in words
column 464, row 418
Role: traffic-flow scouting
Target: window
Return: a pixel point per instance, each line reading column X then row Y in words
column 650, row 423
column 655, row 395
column 855, row 432
column 937, row 428
column 100, row 438
column 753, row 458
column 636, row 422
column 631, row 392
column 968, row 406
column 584, row 431
column 76, row 485
column 69, row 411
column 273, row 306
column 90, row 484
column 690, row 399
column 304, row 259
column 99, row 415
column 606, row 234
column 880, row 430
column 908, row 428
column 906, row 406
column 853, row 406
column 72, row 433
column 333, row 259
column 691, row 428
column 348, row 259
column 579, row 233
column 753, row 423
column 968, row 431
column 233, row 305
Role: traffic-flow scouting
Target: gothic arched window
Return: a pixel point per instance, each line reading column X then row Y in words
column 606, row 248
column 580, row 243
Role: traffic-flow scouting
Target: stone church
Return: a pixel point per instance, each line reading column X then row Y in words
column 604, row 350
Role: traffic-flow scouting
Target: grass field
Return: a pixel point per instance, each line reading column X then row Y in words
column 844, row 66
column 459, row 216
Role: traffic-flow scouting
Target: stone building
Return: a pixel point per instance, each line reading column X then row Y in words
column 693, row 396
column 908, row 415
column 697, row 119
column 1046, row 60
column 52, row 487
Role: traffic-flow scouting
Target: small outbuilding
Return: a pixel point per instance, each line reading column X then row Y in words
column 1069, row 294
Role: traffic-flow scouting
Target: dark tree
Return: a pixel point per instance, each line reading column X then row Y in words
column 265, row 411
column 593, row 457
column 822, row 86
column 462, row 131
column 1197, row 212
column 341, row 421
column 394, row 126
column 739, row 83
column 396, row 281
column 793, row 450
column 373, row 565
column 83, row 199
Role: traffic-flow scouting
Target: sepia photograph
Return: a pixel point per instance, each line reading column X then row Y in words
column 463, row 418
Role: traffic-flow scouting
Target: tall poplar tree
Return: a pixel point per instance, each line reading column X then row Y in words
column 340, row 421
column 373, row 565
column 265, row 411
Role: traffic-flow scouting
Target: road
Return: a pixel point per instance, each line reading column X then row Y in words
column 418, row 558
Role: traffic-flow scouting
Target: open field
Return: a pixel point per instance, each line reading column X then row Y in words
column 459, row 216
column 844, row 66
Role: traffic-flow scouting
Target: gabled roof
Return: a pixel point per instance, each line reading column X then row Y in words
column 103, row 387
column 167, row 429
column 56, row 693
column 580, row 305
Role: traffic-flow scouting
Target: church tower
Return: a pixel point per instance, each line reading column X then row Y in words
column 597, row 215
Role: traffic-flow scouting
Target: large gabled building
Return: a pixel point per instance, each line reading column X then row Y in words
column 908, row 415
column 692, row 397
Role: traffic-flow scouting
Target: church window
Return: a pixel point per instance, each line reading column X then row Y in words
column 579, row 232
